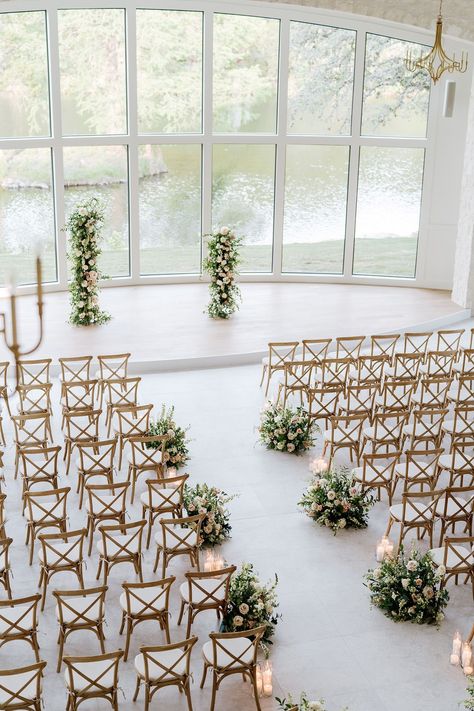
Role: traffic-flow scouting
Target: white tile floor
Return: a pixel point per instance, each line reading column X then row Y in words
column 329, row 641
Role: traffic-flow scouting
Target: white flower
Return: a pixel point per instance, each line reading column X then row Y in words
column 244, row 608
column 224, row 230
column 238, row 621
column 291, row 447
column 377, row 573
column 412, row 565
column 405, row 583
column 441, row 570
column 342, row 523
column 331, row 495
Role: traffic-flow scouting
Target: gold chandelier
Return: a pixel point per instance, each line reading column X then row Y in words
column 436, row 62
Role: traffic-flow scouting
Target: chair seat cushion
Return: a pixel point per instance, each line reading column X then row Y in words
column 167, row 658
column 112, row 505
column 113, row 549
column 411, row 516
column 240, row 647
column 13, row 614
column 371, row 475
column 452, row 561
column 157, row 501
column 147, row 595
column 414, row 470
column 173, row 542
column 142, row 458
column 338, row 436
column 92, row 670
column 455, row 506
column 89, row 606
column 448, row 426
column 54, row 557
column 200, row 595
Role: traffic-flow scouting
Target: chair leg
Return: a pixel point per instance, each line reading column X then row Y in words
column 157, row 560
column 187, row 691
column 204, row 675
column 137, row 689
column 60, row 652
column 214, row 690
column 255, row 689
column 127, row 641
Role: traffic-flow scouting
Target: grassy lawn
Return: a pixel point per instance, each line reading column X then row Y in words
column 389, row 256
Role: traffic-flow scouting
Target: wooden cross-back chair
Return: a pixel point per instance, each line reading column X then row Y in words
column 5, row 569
column 439, row 364
column 344, row 432
column 79, row 610
column 92, row 677
column 165, row 665
column 334, row 372
column 323, row 403
column 203, row 592
column 462, row 426
column 4, row 395
column 415, row 513
column 315, row 349
column 377, row 472
column 145, row 602
column 384, row 345
column 95, row 462
column 462, row 390
column 417, row 342
column 60, row 552
column 44, row 510
column 34, row 372
column 368, row 370
column 459, row 463
column 419, row 470
column 425, row 427
column 163, row 497
column 279, row 353
column 106, row 502
column 176, row 537
column 79, row 427
column 385, row 431
column 74, row 369
column 131, row 422
column 465, row 363
column 78, row 396
column 21, row 688
column 146, row 455
column 432, row 392
column 111, row 367
column 19, row 621
column 120, row 543
column 30, row 431
column 120, row 392
column 229, row 653
column 449, row 340
column 298, row 376
column 349, row 346
column 34, row 399
column 39, row 468
column 455, row 506
column 457, row 557
column 359, row 400
column 395, row 395
column 406, row 366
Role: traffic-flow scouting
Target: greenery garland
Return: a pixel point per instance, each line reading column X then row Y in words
column 304, row 704
column 221, row 263
column 407, row 588
column 335, row 500
column 469, row 703
column 285, row 429
column 211, row 501
column 176, row 451
column 84, row 225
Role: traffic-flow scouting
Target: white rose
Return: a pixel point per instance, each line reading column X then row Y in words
column 405, row 583
column 412, row 565
column 238, row 621
column 224, row 230
column 331, row 495
column 244, row 608
column 441, row 570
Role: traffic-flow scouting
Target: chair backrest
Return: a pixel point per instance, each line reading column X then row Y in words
column 62, row 549
column 280, row 353
column 388, row 426
column 77, row 608
column 396, row 394
column 407, row 365
column 298, row 374
column 4, row 365
column 133, row 421
column 378, row 469
column 467, row 360
column 148, row 599
column 107, row 499
column 113, row 366
column 334, row 372
column 122, row 540
column 459, row 553
column 166, row 494
column 122, row 391
column 3, row 520
column 417, row 342
column 82, row 425
column 97, row 457
column 47, row 507
column 449, row 340
column 323, row 402
column 462, row 457
column 440, row 364
column 349, row 346
column 39, row 464
column 315, row 348
column 143, row 455
column 79, row 395
column 181, row 534
column 31, row 430
column 77, row 368
column 209, row 589
column 384, row 345
column 463, row 422
column 223, row 648
column 420, row 466
column 427, row 423
column 19, row 616
column 34, row 372
column 93, row 676
column 370, row 368
column 456, row 503
column 465, row 390
column 434, row 392
column 419, row 506
column 347, row 428
column 360, row 398
column 18, row 686
column 5, row 544
column 164, row 664
column 34, row 398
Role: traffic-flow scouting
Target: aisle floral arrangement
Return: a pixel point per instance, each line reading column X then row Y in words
column 304, row 704
column 84, row 225
column 251, row 604
column 286, row 429
column 203, row 498
column 469, row 703
column 407, row 588
column 176, row 451
column 334, row 500
column 221, row 264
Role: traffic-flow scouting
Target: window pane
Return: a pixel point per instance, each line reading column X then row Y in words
column 315, row 209
column 321, row 68
column 388, row 211
column 24, row 101
column 26, row 215
column 92, row 62
column 245, row 73
column 102, row 171
column 169, row 71
column 170, row 209
column 395, row 100
column 242, row 197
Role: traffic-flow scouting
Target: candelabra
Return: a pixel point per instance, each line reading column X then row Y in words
column 13, row 343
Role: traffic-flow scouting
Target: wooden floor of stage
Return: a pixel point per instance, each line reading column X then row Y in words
column 167, row 322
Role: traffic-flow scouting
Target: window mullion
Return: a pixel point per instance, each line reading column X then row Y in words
column 133, row 167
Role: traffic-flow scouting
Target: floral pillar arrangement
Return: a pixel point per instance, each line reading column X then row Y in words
column 221, row 263
column 84, row 225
